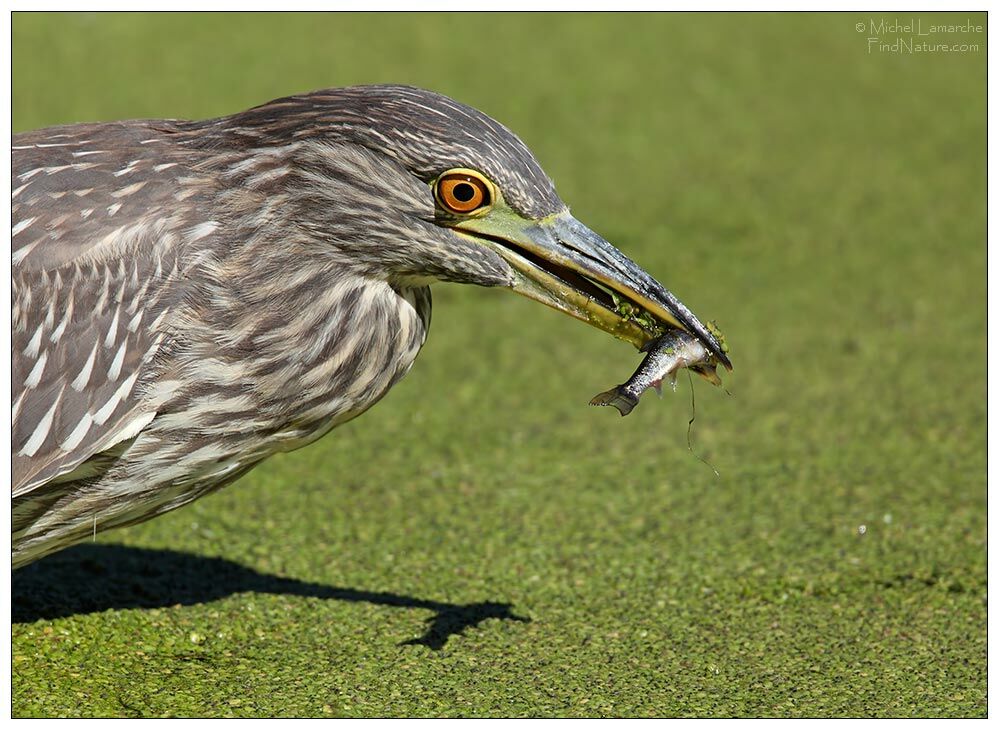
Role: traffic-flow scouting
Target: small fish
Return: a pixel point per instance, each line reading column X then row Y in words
column 668, row 354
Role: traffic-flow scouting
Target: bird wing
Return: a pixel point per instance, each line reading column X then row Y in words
column 96, row 241
column 80, row 348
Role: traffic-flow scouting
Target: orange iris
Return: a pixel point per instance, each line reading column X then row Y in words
column 460, row 192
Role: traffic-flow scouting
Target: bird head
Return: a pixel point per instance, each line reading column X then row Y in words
column 421, row 188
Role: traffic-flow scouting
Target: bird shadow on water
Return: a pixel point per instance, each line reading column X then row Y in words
column 93, row 578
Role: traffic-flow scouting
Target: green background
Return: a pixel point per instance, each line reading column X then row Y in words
column 482, row 543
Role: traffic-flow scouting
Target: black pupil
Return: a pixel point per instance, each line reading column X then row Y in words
column 463, row 192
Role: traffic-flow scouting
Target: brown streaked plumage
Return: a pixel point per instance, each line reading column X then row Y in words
column 192, row 297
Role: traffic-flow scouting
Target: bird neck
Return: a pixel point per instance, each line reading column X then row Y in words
column 307, row 347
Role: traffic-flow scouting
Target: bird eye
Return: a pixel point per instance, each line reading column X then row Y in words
column 463, row 192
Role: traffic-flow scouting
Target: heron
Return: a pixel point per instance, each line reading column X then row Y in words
column 192, row 297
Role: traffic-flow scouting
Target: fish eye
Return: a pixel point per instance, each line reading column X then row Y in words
column 463, row 191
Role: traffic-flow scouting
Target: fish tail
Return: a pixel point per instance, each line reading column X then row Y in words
column 615, row 397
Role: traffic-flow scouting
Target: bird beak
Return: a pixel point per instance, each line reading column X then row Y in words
column 560, row 262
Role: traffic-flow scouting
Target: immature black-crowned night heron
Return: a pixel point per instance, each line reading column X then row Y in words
column 192, row 297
